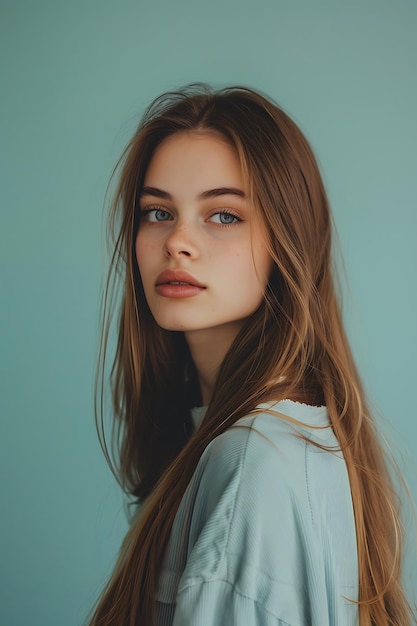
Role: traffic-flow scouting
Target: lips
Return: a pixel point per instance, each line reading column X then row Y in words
column 178, row 285
column 177, row 277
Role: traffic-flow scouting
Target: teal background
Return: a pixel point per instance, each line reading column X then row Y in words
column 75, row 78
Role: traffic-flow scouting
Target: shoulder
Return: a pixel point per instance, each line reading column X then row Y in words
column 283, row 461
column 266, row 518
column 266, row 505
column 276, row 438
column 253, row 449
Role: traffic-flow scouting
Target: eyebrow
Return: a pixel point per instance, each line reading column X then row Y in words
column 210, row 193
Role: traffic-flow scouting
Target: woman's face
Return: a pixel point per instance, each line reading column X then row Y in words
column 200, row 246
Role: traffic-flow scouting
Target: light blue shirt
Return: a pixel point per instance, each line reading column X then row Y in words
column 265, row 533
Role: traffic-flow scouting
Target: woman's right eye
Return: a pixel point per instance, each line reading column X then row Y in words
column 156, row 215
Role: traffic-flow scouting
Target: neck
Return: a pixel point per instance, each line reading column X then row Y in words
column 208, row 348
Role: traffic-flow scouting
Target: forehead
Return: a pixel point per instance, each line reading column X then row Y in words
column 195, row 158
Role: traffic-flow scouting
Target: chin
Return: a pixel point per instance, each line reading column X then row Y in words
column 182, row 325
column 174, row 327
column 173, row 324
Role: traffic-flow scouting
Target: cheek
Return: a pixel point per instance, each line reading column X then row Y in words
column 254, row 266
column 263, row 262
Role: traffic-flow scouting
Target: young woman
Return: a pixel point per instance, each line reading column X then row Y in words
column 242, row 425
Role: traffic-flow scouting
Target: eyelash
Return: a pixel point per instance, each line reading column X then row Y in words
column 144, row 213
column 150, row 209
column 227, row 212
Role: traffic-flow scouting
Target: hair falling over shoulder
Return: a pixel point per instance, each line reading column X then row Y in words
column 294, row 346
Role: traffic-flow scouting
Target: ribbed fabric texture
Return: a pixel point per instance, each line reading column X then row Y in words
column 265, row 533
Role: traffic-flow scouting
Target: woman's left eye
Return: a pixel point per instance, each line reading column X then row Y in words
column 225, row 218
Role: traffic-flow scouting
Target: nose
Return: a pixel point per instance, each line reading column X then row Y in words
column 181, row 242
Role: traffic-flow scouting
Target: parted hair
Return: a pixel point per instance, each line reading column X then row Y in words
column 292, row 347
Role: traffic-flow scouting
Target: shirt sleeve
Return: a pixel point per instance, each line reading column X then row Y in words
column 218, row 603
column 252, row 555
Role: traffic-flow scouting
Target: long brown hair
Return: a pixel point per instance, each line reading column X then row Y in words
column 294, row 346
